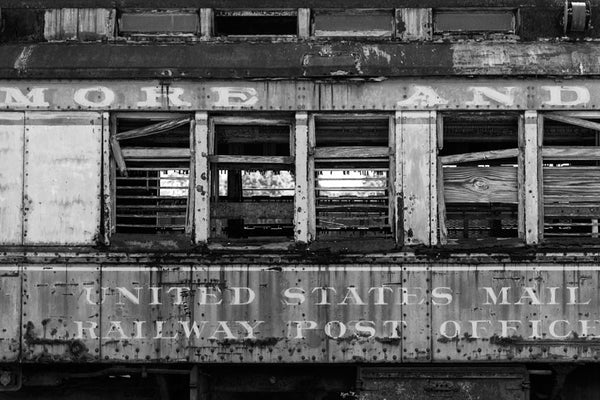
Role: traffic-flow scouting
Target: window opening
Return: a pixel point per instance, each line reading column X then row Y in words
column 256, row 23
column 153, row 179
column 571, row 176
column 352, row 168
column 374, row 23
column 159, row 23
column 473, row 21
column 252, row 178
column 479, row 174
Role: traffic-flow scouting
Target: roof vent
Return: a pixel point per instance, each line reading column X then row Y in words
column 577, row 16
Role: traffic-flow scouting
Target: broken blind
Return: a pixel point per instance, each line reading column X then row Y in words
column 152, row 154
column 352, row 183
column 571, row 176
column 479, row 177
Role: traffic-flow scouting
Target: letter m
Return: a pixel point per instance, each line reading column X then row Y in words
column 491, row 295
column 34, row 98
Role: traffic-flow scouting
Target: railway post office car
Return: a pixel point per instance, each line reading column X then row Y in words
column 352, row 200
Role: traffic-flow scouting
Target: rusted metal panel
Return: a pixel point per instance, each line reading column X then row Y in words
column 287, row 95
column 416, row 303
column 416, row 155
column 63, row 157
column 59, row 304
column 10, row 313
column 481, row 382
column 516, row 313
column 142, row 324
column 335, row 313
column 248, row 313
column 12, row 136
column 292, row 59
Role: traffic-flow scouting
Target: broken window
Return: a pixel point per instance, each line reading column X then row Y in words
column 477, row 177
column 152, row 158
column 252, row 178
column 571, row 175
column 474, row 21
column 376, row 23
column 255, row 23
column 158, row 23
column 352, row 176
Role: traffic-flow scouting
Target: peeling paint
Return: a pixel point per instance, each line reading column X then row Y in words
column 22, row 60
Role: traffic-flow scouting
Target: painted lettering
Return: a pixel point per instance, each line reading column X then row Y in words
column 567, row 95
column 90, row 329
column 235, row 96
column 480, row 93
column 14, row 97
column 98, row 96
column 422, row 96
column 155, row 96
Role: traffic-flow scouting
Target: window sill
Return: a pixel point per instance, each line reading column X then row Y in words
column 150, row 242
column 249, row 244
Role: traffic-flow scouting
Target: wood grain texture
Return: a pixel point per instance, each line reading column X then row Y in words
column 254, row 160
column 571, row 153
column 254, row 210
column 480, row 185
column 155, row 152
column 573, row 121
column 479, row 156
column 571, row 184
column 352, row 152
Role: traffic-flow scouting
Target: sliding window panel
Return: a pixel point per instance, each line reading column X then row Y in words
column 63, row 169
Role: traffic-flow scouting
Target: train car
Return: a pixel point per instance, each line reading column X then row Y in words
column 218, row 200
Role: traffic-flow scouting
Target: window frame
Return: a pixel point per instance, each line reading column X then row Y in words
column 519, row 152
column 476, row 33
column 315, row 12
column 267, row 12
column 115, row 160
column 213, row 160
column 394, row 179
column 133, row 35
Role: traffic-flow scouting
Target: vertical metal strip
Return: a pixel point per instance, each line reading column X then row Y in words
column 301, row 198
column 107, row 203
column 433, row 170
column 311, row 198
column 202, row 179
column 398, row 181
column 532, row 176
